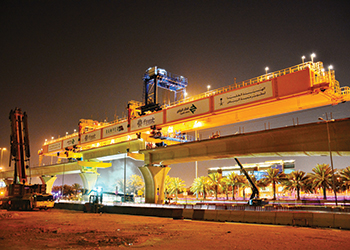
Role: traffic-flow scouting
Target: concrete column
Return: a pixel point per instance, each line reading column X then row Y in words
column 89, row 180
column 49, row 181
column 154, row 183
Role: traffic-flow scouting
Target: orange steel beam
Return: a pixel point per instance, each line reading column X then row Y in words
column 301, row 140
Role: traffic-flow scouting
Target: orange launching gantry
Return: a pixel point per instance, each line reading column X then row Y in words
column 304, row 86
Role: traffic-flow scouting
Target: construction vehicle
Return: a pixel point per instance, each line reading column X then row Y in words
column 254, row 199
column 20, row 195
column 95, row 202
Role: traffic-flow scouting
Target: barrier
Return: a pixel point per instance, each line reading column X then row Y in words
column 302, row 219
column 236, row 216
column 188, row 213
column 296, row 218
column 321, row 219
column 210, row 215
column 284, row 218
column 198, row 214
column 177, row 214
column 342, row 221
column 223, row 215
column 267, row 217
column 70, row 206
column 251, row 216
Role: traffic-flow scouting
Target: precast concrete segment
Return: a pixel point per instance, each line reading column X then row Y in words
column 154, row 183
column 301, row 140
column 113, row 149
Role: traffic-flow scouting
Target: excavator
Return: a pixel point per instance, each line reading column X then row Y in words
column 20, row 195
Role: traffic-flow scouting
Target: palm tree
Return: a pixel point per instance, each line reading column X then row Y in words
column 200, row 185
column 321, row 178
column 232, row 180
column 214, row 182
column 225, row 186
column 135, row 183
column 273, row 176
column 295, row 181
column 166, row 186
column 242, row 182
column 345, row 177
column 76, row 187
column 176, row 186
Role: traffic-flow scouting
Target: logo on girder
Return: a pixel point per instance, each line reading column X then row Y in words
column 193, row 109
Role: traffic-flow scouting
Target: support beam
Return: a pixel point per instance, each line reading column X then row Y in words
column 154, row 183
column 49, row 181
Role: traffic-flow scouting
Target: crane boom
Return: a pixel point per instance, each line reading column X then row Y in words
column 254, row 198
column 20, row 152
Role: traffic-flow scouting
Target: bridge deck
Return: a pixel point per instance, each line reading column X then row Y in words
column 301, row 140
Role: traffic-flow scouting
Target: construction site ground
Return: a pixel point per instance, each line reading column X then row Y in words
column 64, row 229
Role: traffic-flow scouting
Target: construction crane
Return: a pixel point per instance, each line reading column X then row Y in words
column 254, row 199
column 22, row 196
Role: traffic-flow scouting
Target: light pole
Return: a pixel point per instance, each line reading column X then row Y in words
column 330, row 155
column 2, row 152
column 313, row 55
column 303, row 59
column 266, row 69
column 208, row 87
column 330, row 67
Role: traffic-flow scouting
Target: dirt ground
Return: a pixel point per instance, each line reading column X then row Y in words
column 63, row 229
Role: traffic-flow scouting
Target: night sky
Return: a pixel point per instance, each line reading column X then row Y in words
column 62, row 61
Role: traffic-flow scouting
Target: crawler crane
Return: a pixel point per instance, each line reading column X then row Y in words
column 22, row 196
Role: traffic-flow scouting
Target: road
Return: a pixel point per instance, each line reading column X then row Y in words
column 63, row 229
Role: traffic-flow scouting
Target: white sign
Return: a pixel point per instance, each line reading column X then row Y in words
column 54, row 147
column 188, row 110
column 242, row 96
column 147, row 121
column 92, row 136
column 70, row 142
column 115, row 129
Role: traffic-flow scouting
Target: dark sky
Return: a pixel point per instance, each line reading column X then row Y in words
column 62, row 61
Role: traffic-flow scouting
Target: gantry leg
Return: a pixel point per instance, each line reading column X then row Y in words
column 154, row 183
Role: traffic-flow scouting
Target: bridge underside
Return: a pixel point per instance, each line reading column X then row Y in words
column 47, row 174
column 301, row 140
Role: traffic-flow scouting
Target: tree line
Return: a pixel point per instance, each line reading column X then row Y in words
column 320, row 179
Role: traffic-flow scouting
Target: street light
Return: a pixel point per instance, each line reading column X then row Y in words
column 208, row 87
column 330, row 67
column 303, row 59
column 330, row 155
column 313, row 55
column 266, row 69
